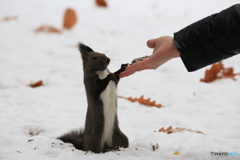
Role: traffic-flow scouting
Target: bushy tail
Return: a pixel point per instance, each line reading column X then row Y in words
column 75, row 137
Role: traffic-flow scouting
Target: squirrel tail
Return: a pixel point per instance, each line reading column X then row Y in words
column 75, row 137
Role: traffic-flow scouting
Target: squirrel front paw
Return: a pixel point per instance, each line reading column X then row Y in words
column 123, row 67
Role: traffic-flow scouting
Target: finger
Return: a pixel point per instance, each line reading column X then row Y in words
column 130, row 70
column 125, row 74
column 151, row 43
column 131, row 67
column 145, row 64
column 136, row 67
column 137, row 64
column 122, row 75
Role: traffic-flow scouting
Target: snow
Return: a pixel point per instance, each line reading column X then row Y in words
column 32, row 118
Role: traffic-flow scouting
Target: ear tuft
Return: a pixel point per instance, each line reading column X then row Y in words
column 84, row 49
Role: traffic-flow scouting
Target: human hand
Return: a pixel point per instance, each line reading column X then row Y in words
column 164, row 49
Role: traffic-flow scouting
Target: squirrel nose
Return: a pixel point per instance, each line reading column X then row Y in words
column 108, row 60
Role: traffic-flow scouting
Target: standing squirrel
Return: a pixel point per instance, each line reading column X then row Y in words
column 101, row 132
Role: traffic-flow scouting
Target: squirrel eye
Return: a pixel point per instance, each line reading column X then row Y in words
column 95, row 58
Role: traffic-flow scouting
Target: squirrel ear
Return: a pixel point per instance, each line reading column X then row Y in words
column 84, row 51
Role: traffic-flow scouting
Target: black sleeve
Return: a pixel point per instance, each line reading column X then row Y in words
column 210, row 40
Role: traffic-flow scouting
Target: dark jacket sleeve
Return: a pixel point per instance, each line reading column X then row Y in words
column 210, row 40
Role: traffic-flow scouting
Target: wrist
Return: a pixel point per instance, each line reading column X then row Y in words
column 175, row 52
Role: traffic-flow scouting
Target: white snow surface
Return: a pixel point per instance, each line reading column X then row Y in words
column 120, row 31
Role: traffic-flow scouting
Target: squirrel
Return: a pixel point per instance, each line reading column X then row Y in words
column 101, row 132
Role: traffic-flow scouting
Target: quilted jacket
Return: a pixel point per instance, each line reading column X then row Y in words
column 210, row 40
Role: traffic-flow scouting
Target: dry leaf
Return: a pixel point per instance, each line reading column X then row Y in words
column 10, row 18
column 141, row 100
column 70, row 18
column 87, row 152
column 72, row 46
column 153, row 148
column 101, row 3
column 35, row 133
column 37, row 84
column 176, row 153
column 228, row 73
column 170, row 130
column 48, row 29
column 217, row 71
column 212, row 73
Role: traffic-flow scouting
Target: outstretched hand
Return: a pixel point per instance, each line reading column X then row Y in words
column 164, row 49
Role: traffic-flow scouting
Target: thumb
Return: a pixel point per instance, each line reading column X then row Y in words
column 151, row 43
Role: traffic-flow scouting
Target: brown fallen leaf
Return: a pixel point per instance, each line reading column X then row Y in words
column 176, row 153
column 34, row 133
column 212, row 73
column 217, row 71
column 228, row 73
column 101, row 3
column 48, row 29
column 170, row 130
column 37, row 84
column 10, row 18
column 69, row 19
column 153, row 147
column 72, row 46
column 141, row 100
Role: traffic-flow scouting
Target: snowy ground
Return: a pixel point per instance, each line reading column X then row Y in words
column 120, row 31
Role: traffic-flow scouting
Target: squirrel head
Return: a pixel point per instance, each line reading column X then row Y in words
column 93, row 60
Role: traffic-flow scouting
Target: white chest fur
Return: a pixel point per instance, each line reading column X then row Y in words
column 108, row 96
